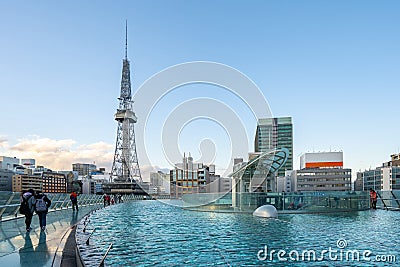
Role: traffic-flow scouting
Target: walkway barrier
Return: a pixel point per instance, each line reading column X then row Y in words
column 10, row 203
column 294, row 202
column 87, row 240
column 389, row 200
column 105, row 255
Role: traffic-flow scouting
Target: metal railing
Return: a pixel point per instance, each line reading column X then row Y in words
column 10, row 203
column 389, row 200
column 294, row 202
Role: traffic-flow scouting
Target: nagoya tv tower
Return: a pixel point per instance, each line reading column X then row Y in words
column 125, row 168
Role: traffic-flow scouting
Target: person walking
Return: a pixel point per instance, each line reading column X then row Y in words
column 28, row 207
column 108, row 198
column 42, row 208
column 105, row 200
column 74, row 200
column 373, row 197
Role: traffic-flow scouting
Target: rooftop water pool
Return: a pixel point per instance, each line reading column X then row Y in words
column 152, row 233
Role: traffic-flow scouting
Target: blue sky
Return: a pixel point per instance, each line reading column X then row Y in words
column 332, row 65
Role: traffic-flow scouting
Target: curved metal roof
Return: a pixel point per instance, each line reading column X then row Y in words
column 272, row 160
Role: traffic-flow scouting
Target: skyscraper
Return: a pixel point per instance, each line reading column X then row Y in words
column 275, row 133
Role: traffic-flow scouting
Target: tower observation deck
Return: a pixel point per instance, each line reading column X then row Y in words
column 125, row 172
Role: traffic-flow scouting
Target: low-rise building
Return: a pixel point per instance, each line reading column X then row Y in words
column 83, row 169
column 322, row 171
column 54, row 182
column 24, row 182
column 189, row 177
column 8, row 163
column 161, row 181
column 358, row 183
column 88, row 185
column 219, row 184
column 286, row 183
column 6, row 180
column 383, row 178
column 323, row 179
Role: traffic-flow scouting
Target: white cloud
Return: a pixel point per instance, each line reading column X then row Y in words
column 60, row 154
column 3, row 142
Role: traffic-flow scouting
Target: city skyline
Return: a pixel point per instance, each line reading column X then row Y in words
column 332, row 67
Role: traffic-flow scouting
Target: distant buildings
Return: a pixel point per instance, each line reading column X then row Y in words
column 358, row 183
column 395, row 160
column 385, row 177
column 28, row 163
column 83, row 169
column 24, row 182
column 322, row 171
column 160, row 181
column 8, row 163
column 54, row 182
column 275, row 133
column 286, row 183
column 22, row 174
column 189, row 177
column 6, row 180
column 73, row 184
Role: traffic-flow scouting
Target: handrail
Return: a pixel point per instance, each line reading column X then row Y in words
column 85, row 224
column 395, row 198
column 87, row 241
column 105, row 255
column 383, row 202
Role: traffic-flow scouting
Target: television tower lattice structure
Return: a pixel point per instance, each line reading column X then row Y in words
column 125, row 168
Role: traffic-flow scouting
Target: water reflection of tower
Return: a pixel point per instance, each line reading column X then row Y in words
column 125, row 168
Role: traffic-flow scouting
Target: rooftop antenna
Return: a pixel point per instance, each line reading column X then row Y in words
column 126, row 39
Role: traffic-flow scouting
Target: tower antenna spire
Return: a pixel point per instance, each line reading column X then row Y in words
column 126, row 39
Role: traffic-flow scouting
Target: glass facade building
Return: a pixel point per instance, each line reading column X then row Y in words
column 275, row 133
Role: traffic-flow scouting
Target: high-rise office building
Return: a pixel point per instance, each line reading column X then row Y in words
column 275, row 133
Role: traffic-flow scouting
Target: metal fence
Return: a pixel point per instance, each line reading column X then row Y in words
column 10, row 202
column 295, row 202
column 389, row 200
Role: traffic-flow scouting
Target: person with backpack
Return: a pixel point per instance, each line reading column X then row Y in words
column 74, row 200
column 42, row 207
column 27, row 207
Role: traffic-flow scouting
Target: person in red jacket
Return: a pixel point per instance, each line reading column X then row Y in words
column 74, row 200
column 373, row 197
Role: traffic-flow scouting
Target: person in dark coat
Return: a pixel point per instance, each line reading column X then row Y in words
column 42, row 208
column 29, row 197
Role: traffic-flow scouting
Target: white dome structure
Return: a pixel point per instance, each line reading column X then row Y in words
column 266, row 211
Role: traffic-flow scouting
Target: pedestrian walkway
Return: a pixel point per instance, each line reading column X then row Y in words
column 38, row 248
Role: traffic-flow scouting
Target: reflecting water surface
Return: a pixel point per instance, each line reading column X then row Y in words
column 150, row 233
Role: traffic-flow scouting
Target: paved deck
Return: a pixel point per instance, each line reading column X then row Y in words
column 40, row 248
